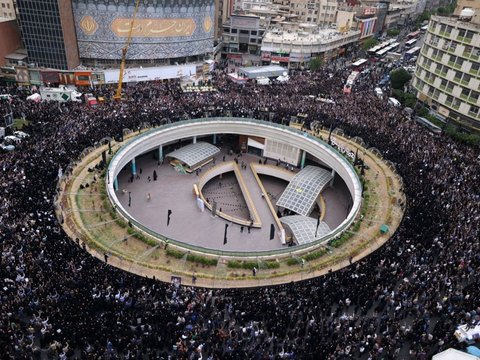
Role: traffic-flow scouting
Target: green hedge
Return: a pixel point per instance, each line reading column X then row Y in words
column 308, row 257
column 315, row 255
column 292, row 261
column 192, row 257
column 249, row 265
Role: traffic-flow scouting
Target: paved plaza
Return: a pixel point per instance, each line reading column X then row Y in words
column 151, row 200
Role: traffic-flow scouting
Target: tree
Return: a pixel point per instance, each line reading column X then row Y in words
column 424, row 16
column 399, row 77
column 315, row 63
column 393, row 32
column 369, row 43
column 441, row 11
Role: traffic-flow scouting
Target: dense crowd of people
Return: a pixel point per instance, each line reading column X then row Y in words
column 403, row 301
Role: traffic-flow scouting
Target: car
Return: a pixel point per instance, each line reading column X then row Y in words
column 21, row 134
column 7, row 147
column 10, row 140
column 394, row 102
column 384, row 81
column 379, row 92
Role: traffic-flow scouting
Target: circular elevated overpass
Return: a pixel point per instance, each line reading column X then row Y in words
column 98, row 215
column 155, row 138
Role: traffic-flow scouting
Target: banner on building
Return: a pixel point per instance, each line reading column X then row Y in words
column 266, row 56
column 151, row 74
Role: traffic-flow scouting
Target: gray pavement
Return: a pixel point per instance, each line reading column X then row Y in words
column 174, row 191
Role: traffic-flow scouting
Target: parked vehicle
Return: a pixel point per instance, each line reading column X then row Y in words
column 429, row 125
column 61, row 94
column 394, row 102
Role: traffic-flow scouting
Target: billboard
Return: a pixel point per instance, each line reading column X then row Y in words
column 151, row 73
column 161, row 30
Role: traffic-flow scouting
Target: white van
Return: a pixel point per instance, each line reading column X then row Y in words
column 394, row 102
column 379, row 92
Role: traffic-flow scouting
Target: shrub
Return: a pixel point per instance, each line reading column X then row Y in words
column 292, row 261
column 249, row 265
column 192, row 257
column 315, row 255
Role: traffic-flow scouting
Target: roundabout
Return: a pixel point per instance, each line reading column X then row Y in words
column 153, row 213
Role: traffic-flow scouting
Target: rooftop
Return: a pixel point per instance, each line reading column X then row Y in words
column 320, row 36
column 302, row 192
column 304, row 228
column 194, row 154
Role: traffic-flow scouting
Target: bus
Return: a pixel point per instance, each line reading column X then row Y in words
column 414, row 35
column 381, row 53
column 381, row 46
column 359, row 64
column 410, row 43
column 394, row 46
column 347, row 89
column 411, row 53
column 429, row 125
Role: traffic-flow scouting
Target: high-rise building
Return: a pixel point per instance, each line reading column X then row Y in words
column 48, row 33
column 447, row 76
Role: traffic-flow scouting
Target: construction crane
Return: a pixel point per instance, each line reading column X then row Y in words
column 118, row 94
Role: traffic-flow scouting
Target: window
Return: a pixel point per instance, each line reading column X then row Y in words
column 474, row 96
column 469, row 35
column 462, row 32
column 474, row 110
column 466, row 78
column 450, row 86
column 465, row 92
column 475, row 67
column 468, row 50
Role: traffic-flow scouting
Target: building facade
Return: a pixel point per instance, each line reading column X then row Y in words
column 10, row 39
column 314, row 11
column 447, row 76
column 294, row 44
column 223, row 11
column 163, row 32
column 7, row 9
column 242, row 39
column 48, row 33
